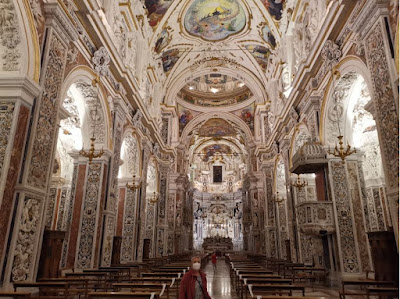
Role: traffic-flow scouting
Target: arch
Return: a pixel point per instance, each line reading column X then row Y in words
column 84, row 75
column 223, row 115
column 347, row 65
column 249, row 78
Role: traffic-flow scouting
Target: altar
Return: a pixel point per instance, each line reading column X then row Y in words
column 217, row 244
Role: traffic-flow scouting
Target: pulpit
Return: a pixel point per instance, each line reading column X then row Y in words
column 49, row 265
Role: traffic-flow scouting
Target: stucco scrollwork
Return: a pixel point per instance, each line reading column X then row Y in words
column 27, row 236
column 9, row 35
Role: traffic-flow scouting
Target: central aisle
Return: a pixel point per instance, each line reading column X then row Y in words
column 219, row 283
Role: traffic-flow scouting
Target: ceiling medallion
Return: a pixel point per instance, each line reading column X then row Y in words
column 215, row 20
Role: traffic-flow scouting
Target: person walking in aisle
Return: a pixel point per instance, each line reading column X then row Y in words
column 214, row 261
column 194, row 282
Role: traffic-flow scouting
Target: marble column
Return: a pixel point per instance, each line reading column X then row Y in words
column 162, row 225
column 371, row 27
column 270, row 222
column 92, row 218
column 171, row 213
column 347, row 209
column 110, row 212
column 129, row 222
column 30, row 194
column 143, row 204
column 17, row 96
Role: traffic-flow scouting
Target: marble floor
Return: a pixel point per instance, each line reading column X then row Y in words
column 219, row 284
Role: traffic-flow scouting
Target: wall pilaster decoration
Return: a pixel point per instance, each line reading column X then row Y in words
column 9, row 36
column 360, row 226
column 386, row 115
column 50, row 207
column 45, row 131
column 27, row 235
column 171, row 222
column 373, row 219
column 110, row 221
column 90, row 216
column 364, row 197
column 346, row 236
column 378, row 208
column 65, row 192
column 143, row 203
column 128, row 230
column 6, row 119
column 68, row 217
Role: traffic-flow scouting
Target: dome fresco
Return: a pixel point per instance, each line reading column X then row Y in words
column 215, row 90
column 215, row 20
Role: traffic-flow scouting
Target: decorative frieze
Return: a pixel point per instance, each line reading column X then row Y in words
column 9, row 36
column 347, row 238
column 89, row 217
column 27, row 237
column 45, row 131
column 128, row 230
column 6, row 118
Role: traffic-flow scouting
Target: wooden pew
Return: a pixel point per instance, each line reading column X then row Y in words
column 53, row 288
column 111, row 295
column 245, row 281
column 96, row 280
column 271, row 289
column 160, row 288
column 290, row 297
column 376, row 291
column 17, row 295
column 361, row 283
column 76, row 285
column 173, row 282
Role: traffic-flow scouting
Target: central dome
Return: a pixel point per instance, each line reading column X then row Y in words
column 215, row 19
column 215, row 90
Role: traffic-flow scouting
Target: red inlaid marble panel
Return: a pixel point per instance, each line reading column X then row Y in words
column 100, row 224
column 12, row 176
column 121, row 204
column 74, row 229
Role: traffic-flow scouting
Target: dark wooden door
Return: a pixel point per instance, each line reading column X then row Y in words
column 146, row 249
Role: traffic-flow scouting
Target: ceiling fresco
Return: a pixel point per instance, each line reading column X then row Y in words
column 185, row 116
column 247, row 115
column 215, row 90
column 156, row 9
column 274, row 7
column 169, row 58
column 215, row 20
column 260, row 54
column 162, row 41
column 210, row 150
column 216, row 127
column 268, row 36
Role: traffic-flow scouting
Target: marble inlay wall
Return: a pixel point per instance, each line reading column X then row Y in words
column 6, row 120
column 128, row 229
column 26, row 238
column 346, row 235
column 352, row 168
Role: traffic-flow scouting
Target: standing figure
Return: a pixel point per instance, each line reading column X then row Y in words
column 214, row 261
column 194, row 282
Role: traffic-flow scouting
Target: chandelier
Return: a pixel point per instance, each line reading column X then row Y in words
column 278, row 199
column 91, row 153
column 153, row 200
column 298, row 184
column 134, row 186
column 340, row 151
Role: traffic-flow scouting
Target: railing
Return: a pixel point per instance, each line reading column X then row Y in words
column 315, row 217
